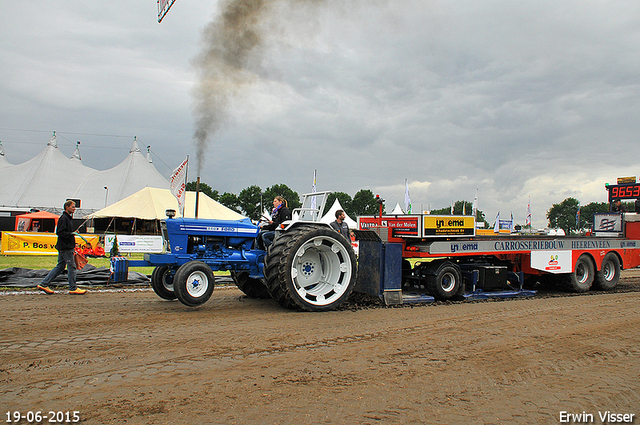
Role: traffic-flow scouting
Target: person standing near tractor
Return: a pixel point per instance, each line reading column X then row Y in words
column 66, row 245
column 340, row 225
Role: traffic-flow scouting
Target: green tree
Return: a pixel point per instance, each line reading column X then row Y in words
column 344, row 199
column 249, row 201
column 204, row 188
column 230, row 200
column 563, row 215
column 364, row 203
column 291, row 196
column 587, row 211
column 441, row 211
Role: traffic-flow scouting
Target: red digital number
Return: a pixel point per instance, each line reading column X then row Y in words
column 624, row 192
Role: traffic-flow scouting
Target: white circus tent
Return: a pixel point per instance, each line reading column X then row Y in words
column 3, row 160
column 331, row 215
column 135, row 172
column 397, row 210
column 47, row 180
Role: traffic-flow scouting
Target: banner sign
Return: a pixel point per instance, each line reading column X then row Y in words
column 163, row 8
column 401, row 226
column 626, row 180
column 133, row 243
column 506, row 225
column 552, row 261
column 449, row 225
column 34, row 243
column 607, row 222
column 178, row 182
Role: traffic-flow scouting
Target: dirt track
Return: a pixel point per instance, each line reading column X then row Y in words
column 133, row 358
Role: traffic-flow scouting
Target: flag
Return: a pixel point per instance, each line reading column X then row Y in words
column 407, row 198
column 313, row 190
column 451, row 207
column 511, row 225
column 475, row 205
column 464, row 208
column 496, row 226
column 178, row 184
column 527, row 222
column 578, row 218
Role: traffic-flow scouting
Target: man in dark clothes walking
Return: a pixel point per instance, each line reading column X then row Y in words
column 340, row 225
column 65, row 246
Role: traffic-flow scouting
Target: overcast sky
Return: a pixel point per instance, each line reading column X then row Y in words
column 516, row 99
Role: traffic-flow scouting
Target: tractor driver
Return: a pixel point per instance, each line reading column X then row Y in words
column 279, row 214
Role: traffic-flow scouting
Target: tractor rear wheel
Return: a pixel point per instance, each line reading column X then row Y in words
column 162, row 282
column 193, row 283
column 252, row 288
column 311, row 268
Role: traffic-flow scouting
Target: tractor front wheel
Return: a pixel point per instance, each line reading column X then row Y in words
column 193, row 283
column 162, row 282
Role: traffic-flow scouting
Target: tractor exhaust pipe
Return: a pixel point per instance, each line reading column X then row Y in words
column 197, row 195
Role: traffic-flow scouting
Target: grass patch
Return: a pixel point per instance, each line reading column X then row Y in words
column 37, row 262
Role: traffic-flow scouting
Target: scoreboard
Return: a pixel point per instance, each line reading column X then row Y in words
column 624, row 191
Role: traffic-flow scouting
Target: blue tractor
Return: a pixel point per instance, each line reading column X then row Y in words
column 308, row 267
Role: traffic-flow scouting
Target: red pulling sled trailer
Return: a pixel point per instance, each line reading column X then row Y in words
column 451, row 262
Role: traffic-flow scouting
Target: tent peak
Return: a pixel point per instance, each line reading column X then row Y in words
column 134, row 145
column 76, row 153
column 397, row 210
column 54, row 141
column 1, row 150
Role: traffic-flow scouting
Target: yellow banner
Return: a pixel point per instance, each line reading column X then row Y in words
column 626, row 180
column 449, row 225
column 32, row 243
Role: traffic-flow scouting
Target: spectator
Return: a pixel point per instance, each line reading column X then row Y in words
column 618, row 206
column 66, row 245
column 340, row 225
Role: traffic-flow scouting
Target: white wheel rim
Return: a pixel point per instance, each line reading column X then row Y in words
column 582, row 273
column 448, row 282
column 197, row 284
column 608, row 271
column 321, row 270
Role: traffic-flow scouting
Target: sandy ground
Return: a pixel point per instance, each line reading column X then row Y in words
column 130, row 357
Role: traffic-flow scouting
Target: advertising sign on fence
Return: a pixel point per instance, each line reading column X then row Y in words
column 133, row 243
column 35, row 243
